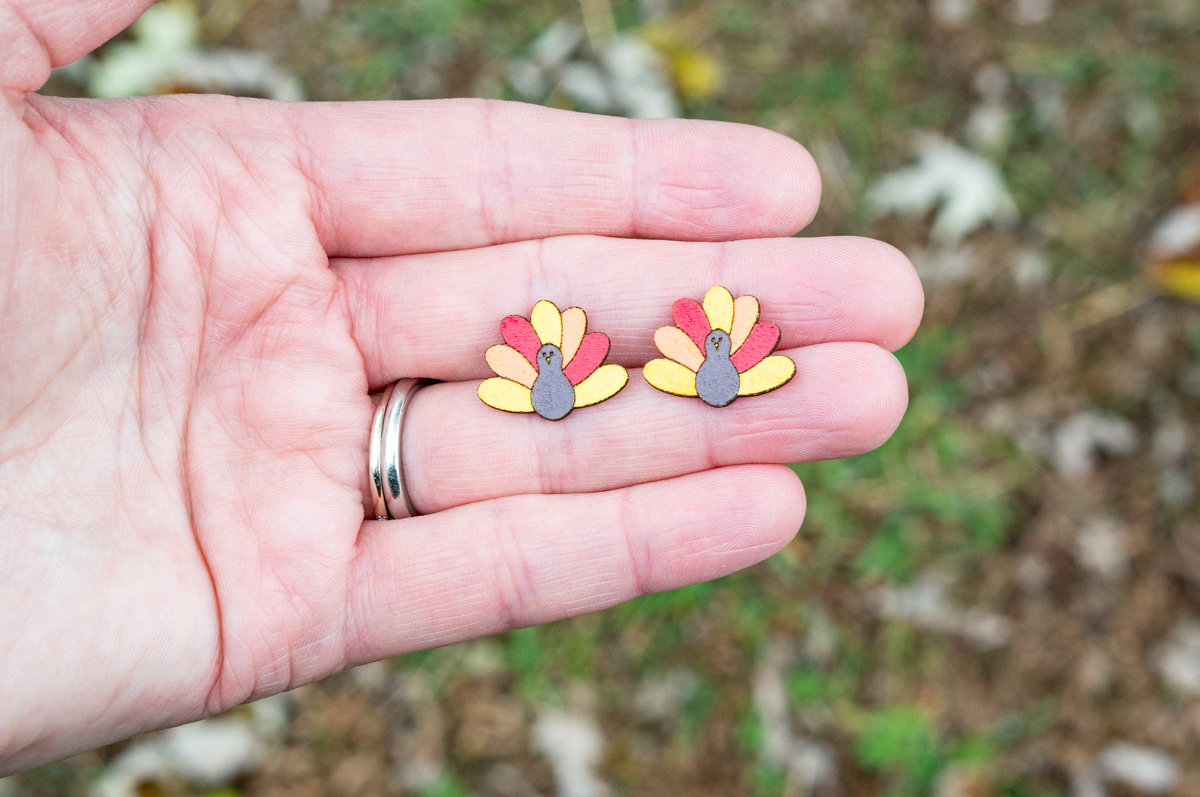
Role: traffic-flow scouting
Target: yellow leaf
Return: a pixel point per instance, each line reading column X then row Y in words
column 698, row 75
column 1180, row 278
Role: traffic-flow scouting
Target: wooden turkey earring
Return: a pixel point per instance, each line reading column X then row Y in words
column 719, row 351
column 550, row 364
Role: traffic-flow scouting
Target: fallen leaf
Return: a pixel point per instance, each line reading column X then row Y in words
column 968, row 190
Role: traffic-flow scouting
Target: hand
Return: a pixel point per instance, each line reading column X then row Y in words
column 199, row 294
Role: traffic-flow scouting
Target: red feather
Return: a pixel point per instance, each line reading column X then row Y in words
column 762, row 341
column 690, row 317
column 592, row 351
column 519, row 334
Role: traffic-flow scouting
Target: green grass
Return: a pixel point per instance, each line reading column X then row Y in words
column 937, row 490
column 447, row 787
column 904, row 743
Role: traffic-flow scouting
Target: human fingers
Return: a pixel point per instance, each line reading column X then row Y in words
column 846, row 398
column 37, row 35
column 515, row 562
column 397, row 177
column 435, row 315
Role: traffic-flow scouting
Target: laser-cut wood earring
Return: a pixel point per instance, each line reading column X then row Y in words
column 550, row 364
column 719, row 351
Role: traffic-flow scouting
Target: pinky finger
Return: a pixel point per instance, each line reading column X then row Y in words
column 512, row 562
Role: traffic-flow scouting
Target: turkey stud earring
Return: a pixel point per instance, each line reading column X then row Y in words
column 550, row 364
column 719, row 351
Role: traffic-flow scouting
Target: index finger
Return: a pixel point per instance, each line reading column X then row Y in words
column 392, row 178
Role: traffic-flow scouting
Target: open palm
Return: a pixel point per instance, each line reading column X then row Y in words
column 199, row 294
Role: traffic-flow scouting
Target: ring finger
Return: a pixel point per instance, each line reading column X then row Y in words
column 846, row 398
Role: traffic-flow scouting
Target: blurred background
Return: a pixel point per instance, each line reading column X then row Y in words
column 1002, row 600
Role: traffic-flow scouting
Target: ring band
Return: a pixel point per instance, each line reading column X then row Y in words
column 373, row 459
column 390, row 497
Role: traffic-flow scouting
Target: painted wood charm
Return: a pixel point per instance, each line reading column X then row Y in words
column 718, row 351
column 550, row 364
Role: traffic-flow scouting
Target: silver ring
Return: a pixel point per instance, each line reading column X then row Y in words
column 373, row 459
column 390, row 471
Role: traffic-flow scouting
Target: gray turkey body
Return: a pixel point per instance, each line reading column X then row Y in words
column 553, row 393
column 717, row 381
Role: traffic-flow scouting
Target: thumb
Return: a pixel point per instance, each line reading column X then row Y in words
column 38, row 35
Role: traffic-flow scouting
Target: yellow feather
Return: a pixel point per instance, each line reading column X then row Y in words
column 670, row 377
column 547, row 323
column 772, row 372
column 718, row 306
column 505, row 394
column 605, row 382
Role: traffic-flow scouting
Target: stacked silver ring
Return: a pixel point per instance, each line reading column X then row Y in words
column 387, row 472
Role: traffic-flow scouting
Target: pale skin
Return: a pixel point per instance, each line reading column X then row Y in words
column 198, row 296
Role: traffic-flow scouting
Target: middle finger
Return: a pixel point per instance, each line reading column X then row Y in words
column 434, row 315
